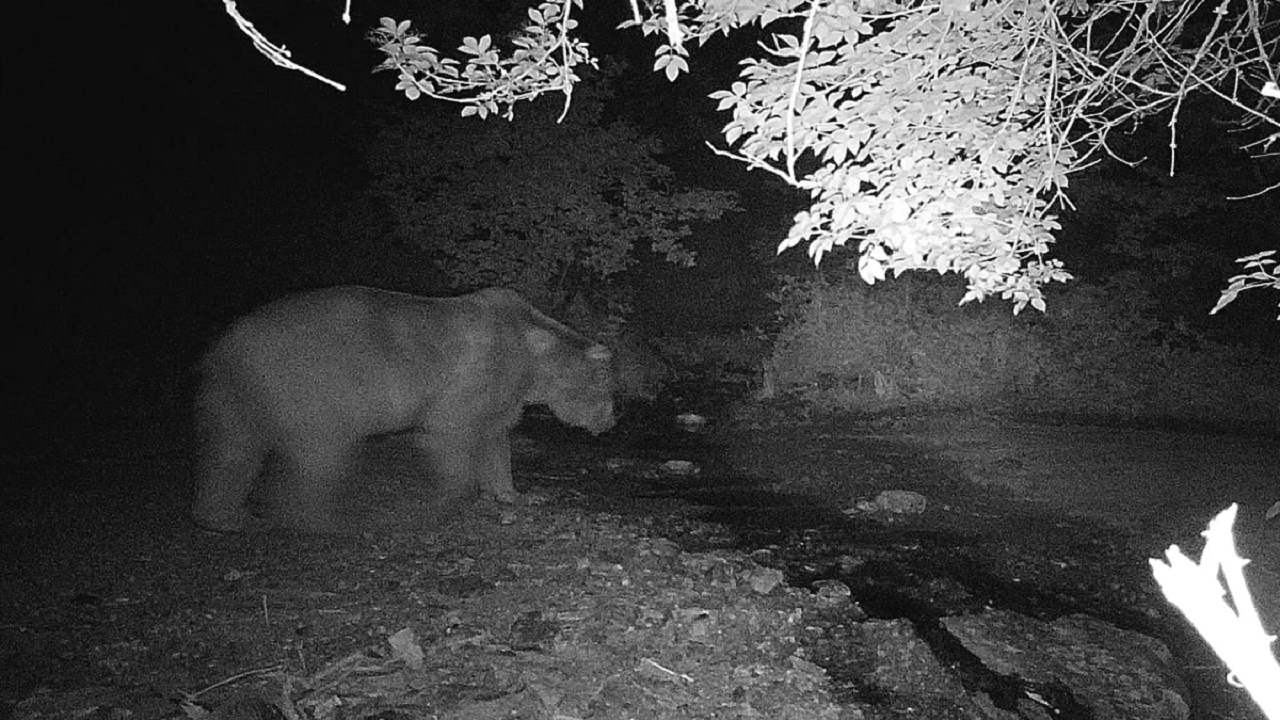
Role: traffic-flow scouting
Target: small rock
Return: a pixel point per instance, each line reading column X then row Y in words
column 534, row 631
column 679, row 467
column 404, row 646
column 664, row 548
column 691, row 422
column 534, row 499
column 863, row 507
column 616, row 464
column 832, row 593
column 1116, row 674
column 849, row 563
column 764, row 580
column 902, row 502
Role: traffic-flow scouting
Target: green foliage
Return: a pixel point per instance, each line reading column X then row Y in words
column 933, row 135
column 550, row 209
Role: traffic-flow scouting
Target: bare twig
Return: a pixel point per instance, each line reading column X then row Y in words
column 682, row 676
column 236, row 678
column 277, row 54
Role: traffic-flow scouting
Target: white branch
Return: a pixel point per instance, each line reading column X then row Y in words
column 802, row 52
column 675, row 35
column 1235, row 635
column 276, row 53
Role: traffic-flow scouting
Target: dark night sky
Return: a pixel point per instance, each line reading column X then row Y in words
column 145, row 144
column 144, row 147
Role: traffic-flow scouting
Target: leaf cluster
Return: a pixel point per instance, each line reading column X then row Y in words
column 1264, row 274
column 543, row 58
column 551, row 209
column 930, row 135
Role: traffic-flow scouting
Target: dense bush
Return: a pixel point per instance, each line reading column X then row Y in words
column 639, row 370
column 1111, row 357
column 855, row 346
column 550, row 208
column 734, row 355
column 1098, row 351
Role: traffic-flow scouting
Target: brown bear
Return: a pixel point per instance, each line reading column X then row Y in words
column 305, row 380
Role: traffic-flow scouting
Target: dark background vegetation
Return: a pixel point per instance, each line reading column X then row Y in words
column 166, row 177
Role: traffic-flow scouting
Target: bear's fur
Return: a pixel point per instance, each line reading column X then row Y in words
column 305, row 380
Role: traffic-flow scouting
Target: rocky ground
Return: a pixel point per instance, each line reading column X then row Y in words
column 764, row 576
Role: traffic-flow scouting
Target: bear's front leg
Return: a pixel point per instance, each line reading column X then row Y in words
column 307, row 500
column 467, row 462
column 491, row 463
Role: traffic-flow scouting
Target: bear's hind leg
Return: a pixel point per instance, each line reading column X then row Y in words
column 221, row 495
column 452, row 467
column 229, row 460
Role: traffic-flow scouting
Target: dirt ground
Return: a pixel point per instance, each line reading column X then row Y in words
column 617, row 588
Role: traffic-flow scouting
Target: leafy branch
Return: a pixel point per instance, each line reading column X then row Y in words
column 933, row 135
column 544, row 60
column 1263, row 275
